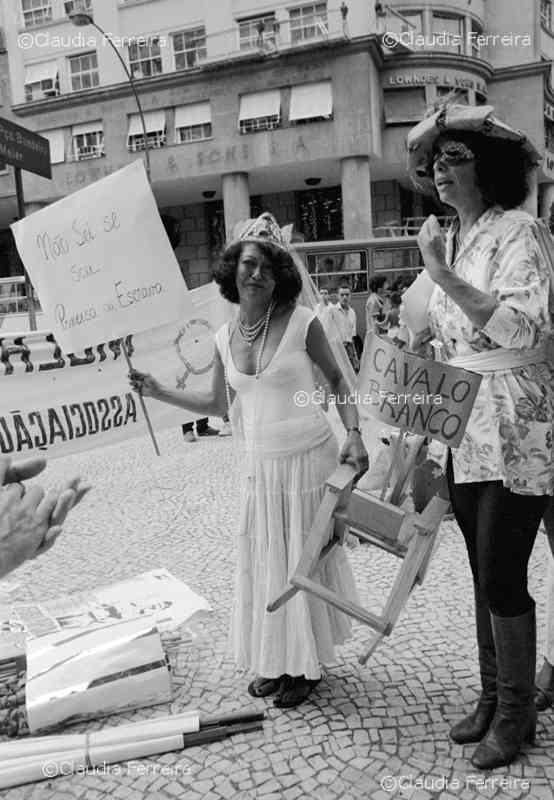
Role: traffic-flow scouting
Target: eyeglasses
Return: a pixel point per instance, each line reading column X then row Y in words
column 453, row 154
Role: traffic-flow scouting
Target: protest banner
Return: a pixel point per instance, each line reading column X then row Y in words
column 425, row 397
column 101, row 262
column 58, row 404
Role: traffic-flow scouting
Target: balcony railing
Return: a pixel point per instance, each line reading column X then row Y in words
column 13, row 299
column 409, row 226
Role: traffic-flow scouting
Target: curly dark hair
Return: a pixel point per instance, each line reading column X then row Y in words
column 502, row 167
column 288, row 282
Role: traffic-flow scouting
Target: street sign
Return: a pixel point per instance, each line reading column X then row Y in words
column 24, row 149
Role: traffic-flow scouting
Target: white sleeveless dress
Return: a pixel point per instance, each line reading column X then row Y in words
column 290, row 451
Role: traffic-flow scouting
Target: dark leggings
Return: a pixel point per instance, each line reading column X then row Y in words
column 499, row 529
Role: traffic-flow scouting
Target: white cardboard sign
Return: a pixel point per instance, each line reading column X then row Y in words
column 101, row 262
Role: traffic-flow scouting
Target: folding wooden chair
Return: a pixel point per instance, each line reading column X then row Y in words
column 410, row 536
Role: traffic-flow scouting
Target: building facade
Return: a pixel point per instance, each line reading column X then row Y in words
column 301, row 108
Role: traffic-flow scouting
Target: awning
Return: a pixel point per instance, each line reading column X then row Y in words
column 57, row 145
column 193, row 114
column 87, row 127
column 311, row 100
column 153, row 120
column 260, row 104
column 45, row 71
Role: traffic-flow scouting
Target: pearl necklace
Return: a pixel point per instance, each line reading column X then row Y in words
column 268, row 314
column 249, row 333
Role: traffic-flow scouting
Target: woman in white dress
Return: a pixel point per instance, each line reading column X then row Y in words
column 265, row 358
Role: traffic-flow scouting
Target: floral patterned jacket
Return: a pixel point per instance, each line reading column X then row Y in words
column 509, row 434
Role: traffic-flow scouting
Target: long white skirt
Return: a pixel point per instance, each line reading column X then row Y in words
column 279, row 502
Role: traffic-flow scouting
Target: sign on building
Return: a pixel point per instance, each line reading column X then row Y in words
column 24, row 149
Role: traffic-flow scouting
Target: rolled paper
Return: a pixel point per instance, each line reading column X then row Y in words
column 41, row 745
column 28, row 769
column 187, row 722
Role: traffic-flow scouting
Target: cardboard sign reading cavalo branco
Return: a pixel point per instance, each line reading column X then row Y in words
column 430, row 398
column 101, row 262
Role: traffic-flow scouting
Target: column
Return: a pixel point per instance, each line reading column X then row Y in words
column 357, row 221
column 236, row 200
column 546, row 199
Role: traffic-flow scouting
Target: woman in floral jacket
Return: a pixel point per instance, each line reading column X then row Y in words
column 490, row 311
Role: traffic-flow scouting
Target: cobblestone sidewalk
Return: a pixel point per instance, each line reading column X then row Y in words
column 379, row 731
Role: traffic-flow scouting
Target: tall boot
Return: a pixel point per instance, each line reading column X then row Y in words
column 475, row 726
column 515, row 719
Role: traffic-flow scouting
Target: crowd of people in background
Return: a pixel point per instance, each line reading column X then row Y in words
column 382, row 314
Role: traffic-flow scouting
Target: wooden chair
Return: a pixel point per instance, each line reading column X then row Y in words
column 410, row 536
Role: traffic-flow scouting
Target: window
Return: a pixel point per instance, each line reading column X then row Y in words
column 260, row 111
column 255, row 32
column 480, row 99
column 403, row 22
column 41, row 81
column 461, row 97
column 330, row 270
column 145, row 59
column 57, row 145
column 36, row 12
column 448, row 33
column 311, row 102
column 476, row 31
column 189, row 48
column 549, row 135
column 88, row 141
column 154, row 122
column 193, row 122
column 546, row 14
column 308, row 22
column 77, row 5
column 404, row 105
column 83, row 71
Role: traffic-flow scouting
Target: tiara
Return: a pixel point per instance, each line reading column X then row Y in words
column 263, row 229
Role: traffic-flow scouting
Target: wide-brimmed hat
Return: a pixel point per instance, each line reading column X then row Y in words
column 459, row 119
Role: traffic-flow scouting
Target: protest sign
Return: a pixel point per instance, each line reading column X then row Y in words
column 429, row 398
column 101, row 262
column 58, row 404
column 415, row 302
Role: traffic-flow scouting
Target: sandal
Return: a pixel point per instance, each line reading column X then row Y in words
column 294, row 691
column 263, row 687
column 544, row 687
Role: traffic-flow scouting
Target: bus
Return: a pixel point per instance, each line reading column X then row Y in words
column 331, row 264
column 353, row 262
